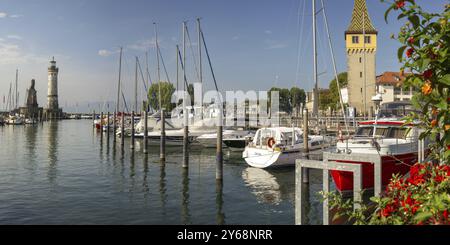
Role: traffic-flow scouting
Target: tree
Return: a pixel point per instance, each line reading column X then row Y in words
column 298, row 99
column 334, row 92
column 325, row 99
column 285, row 99
column 167, row 90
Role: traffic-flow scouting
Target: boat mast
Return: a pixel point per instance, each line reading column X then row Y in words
column 316, row 89
column 200, row 64
column 185, row 111
column 118, row 84
column 17, row 91
column 178, row 64
column 334, row 68
column 157, row 66
column 135, row 87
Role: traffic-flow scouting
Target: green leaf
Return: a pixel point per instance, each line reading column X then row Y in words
column 442, row 104
column 423, row 216
column 445, row 80
column 386, row 14
column 414, row 19
column 401, row 50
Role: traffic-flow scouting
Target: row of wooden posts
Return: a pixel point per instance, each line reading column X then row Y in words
column 162, row 154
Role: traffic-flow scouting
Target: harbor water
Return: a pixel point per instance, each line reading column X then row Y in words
column 63, row 172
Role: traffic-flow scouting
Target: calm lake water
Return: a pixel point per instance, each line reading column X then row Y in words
column 64, row 173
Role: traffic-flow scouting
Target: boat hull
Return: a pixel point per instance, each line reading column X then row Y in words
column 395, row 164
column 262, row 158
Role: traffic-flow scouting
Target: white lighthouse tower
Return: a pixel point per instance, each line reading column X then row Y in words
column 53, row 111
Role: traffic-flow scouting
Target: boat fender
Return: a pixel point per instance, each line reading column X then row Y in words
column 270, row 142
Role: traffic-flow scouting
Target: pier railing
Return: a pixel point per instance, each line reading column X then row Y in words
column 338, row 162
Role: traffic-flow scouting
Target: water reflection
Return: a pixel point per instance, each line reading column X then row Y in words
column 270, row 186
column 145, row 174
column 30, row 139
column 185, row 215
column 162, row 187
column 52, row 150
column 220, row 215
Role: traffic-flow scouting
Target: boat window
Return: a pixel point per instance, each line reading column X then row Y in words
column 286, row 138
column 397, row 133
column 364, row 132
column 383, row 132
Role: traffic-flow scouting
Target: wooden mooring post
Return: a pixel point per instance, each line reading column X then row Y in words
column 132, row 130
column 122, row 131
column 101, row 125
column 219, row 149
column 114, row 127
column 186, row 147
column 162, row 145
column 145, row 150
column 107, row 123
column 93, row 119
column 305, row 174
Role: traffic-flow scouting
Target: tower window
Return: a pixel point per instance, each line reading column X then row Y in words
column 360, row 60
column 360, row 74
column 355, row 39
column 367, row 39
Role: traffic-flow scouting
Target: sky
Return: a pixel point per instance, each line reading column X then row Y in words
column 253, row 44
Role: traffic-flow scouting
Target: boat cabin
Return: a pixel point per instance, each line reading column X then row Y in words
column 282, row 136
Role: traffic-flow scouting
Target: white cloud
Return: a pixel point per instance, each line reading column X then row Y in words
column 16, row 16
column 105, row 53
column 11, row 53
column 17, row 37
column 144, row 45
column 268, row 32
column 272, row 44
column 3, row 15
column 235, row 38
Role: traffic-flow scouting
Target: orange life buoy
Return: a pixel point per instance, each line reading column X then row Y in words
column 270, row 142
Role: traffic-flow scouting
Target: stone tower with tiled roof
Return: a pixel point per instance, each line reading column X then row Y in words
column 361, row 46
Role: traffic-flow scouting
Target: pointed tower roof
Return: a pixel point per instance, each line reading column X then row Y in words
column 361, row 20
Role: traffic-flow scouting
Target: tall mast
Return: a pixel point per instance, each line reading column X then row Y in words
column 17, row 90
column 146, row 70
column 157, row 67
column 178, row 64
column 185, row 111
column 118, row 84
column 135, row 87
column 316, row 87
column 200, row 61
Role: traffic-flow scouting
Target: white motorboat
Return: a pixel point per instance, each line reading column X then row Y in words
column 281, row 146
column 210, row 140
column 388, row 136
column 30, row 121
column 15, row 120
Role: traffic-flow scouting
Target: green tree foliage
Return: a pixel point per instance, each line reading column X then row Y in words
column 285, row 99
column 298, row 99
column 167, row 90
column 325, row 99
column 334, row 92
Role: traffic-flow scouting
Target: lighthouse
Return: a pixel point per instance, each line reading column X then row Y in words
column 53, row 111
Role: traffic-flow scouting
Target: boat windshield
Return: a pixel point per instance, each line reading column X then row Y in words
column 364, row 132
column 382, row 132
column 398, row 133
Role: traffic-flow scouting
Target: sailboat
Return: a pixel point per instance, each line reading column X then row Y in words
column 282, row 146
